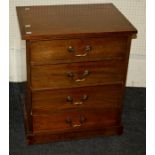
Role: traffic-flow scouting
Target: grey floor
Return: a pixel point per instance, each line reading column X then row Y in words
column 132, row 142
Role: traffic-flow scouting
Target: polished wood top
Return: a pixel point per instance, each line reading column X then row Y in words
column 72, row 21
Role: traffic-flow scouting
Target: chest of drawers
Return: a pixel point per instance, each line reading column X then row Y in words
column 77, row 59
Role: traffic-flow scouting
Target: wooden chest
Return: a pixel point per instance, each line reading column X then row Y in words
column 77, row 59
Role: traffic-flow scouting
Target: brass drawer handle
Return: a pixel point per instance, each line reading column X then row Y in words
column 71, row 49
column 80, row 80
column 82, row 77
column 78, row 103
column 87, row 49
column 82, row 100
column 76, row 125
column 82, row 120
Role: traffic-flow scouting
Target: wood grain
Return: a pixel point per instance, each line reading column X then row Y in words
column 72, row 21
column 48, row 52
column 50, row 101
column 92, row 118
column 56, row 76
column 46, row 137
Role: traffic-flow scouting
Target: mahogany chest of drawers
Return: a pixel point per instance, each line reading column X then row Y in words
column 77, row 59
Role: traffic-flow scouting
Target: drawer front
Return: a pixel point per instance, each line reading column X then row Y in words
column 75, row 120
column 76, row 74
column 108, row 96
column 75, row 50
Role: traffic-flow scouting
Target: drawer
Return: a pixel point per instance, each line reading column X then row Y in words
column 76, row 120
column 76, row 74
column 108, row 96
column 75, row 50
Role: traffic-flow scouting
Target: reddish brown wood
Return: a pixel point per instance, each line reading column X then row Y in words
column 52, row 71
column 49, row 101
column 28, row 105
column 56, row 76
column 72, row 21
column 126, row 69
column 76, row 120
column 57, row 50
column 48, row 136
column 45, row 137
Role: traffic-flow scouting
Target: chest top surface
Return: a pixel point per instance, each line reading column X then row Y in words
column 62, row 21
